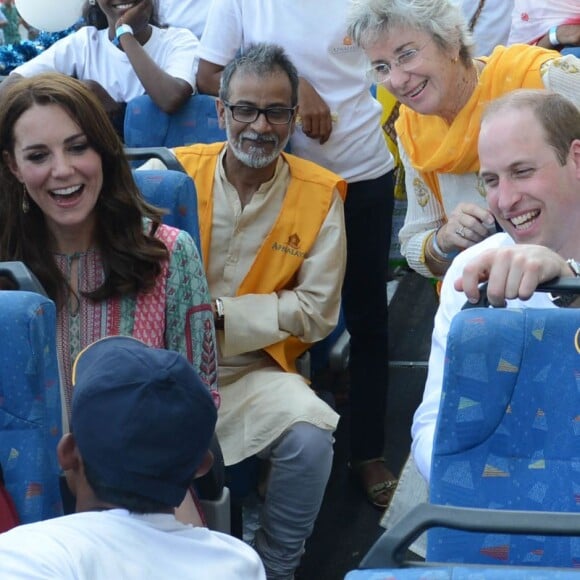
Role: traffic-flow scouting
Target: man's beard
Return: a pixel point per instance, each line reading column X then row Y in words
column 255, row 157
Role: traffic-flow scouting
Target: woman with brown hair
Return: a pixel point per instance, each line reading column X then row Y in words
column 70, row 210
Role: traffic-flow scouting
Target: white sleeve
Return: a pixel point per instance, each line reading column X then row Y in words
column 561, row 76
column 424, row 215
column 425, row 418
column 183, row 57
column 61, row 57
column 451, row 302
column 223, row 32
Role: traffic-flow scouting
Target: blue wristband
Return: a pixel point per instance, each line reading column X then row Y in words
column 120, row 30
column 553, row 36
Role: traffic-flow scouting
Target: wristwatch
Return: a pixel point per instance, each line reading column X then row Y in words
column 219, row 313
column 574, row 266
column 120, row 30
column 565, row 300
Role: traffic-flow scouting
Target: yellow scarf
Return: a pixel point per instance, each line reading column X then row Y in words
column 435, row 147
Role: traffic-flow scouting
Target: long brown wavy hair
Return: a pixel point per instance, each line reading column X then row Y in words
column 131, row 255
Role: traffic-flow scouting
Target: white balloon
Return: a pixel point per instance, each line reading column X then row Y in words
column 50, row 16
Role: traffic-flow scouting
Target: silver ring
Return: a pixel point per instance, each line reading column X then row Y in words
column 460, row 231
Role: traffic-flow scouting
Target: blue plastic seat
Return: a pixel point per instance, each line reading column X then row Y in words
column 174, row 191
column 508, row 432
column 30, row 403
column 507, row 448
column 146, row 125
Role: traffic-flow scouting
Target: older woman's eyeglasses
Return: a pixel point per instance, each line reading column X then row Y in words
column 248, row 113
column 407, row 61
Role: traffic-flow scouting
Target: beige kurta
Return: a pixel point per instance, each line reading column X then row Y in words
column 259, row 400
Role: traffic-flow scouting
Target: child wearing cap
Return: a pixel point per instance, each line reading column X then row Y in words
column 141, row 424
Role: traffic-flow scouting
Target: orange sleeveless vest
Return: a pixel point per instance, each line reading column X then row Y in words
column 304, row 209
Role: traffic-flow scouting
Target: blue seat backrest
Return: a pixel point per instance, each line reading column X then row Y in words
column 508, row 433
column 146, row 125
column 175, row 192
column 30, row 409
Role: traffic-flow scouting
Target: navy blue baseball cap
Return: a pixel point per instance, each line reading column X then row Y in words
column 141, row 417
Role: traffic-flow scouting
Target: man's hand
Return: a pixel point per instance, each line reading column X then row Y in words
column 513, row 272
column 314, row 112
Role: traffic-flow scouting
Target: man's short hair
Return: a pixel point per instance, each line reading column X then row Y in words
column 142, row 420
column 261, row 60
column 558, row 116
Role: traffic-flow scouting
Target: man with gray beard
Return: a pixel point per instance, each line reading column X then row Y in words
column 274, row 249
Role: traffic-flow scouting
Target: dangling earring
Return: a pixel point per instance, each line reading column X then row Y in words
column 25, row 204
column 92, row 2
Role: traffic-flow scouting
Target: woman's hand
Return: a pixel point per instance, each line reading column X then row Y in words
column 314, row 112
column 467, row 225
column 138, row 16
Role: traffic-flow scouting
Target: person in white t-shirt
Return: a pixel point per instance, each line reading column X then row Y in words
column 190, row 14
column 338, row 127
column 121, row 55
column 141, row 425
column 529, row 150
column 554, row 24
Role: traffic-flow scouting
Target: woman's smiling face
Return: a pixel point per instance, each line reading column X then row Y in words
column 60, row 170
column 114, row 9
column 428, row 83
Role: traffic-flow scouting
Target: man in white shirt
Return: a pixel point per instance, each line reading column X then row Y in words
column 141, row 425
column 529, row 151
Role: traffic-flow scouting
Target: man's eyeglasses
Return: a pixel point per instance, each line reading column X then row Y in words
column 248, row 113
column 407, row 61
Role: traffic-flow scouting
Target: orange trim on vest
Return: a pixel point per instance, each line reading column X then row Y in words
column 304, row 209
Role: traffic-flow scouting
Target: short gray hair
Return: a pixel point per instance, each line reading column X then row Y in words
column 558, row 116
column 443, row 20
column 260, row 59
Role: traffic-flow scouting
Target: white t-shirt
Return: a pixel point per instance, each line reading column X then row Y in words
column 532, row 19
column 190, row 14
column 425, row 418
column 116, row 544
column 313, row 35
column 88, row 54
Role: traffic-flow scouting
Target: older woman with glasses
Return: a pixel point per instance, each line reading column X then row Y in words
column 420, row 50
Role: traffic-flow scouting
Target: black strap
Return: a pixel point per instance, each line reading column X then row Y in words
column 476, row 16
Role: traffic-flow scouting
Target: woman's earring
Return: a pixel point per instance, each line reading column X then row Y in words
column 92, row 2
column 25, row 204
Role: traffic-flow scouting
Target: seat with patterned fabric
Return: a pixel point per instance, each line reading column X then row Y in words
column 507, row 445
column 508, row 432
column 174, row 191
column 146, row 125
column 30, row 408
